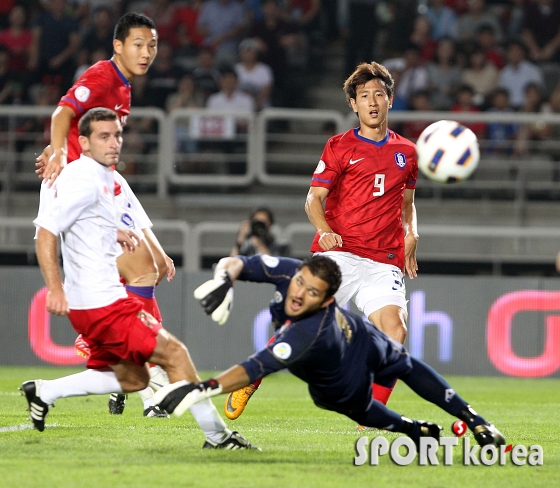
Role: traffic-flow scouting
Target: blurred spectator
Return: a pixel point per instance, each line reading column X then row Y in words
column 529, row 134
column 422, row 38
column 486, row 39
column 518, row 73
column 304, row 13
column 480, row 74
column 163, row 76
column 362, row 27
column 397, row 26
column 85, row 60
column 514, row 18
column 221, row 23
column 255, row 78
column 554, row 135
column 465, row 103
column 499, row 134
column 164, row 15
column 230, row 98
column 419, row 102
column 7, row 78
column 255, row 236
column 443, row 75
column 188, row 39
column 414, row 76
column 6, row 7
column 17, row 39
column 55, row 41
column 477, row 16
column 186, row 95
column 278, row 39
column 541, row 30
column 206, row 74
column 253, row 11
column 443, row 20
column 399, row 102
column 100, row 33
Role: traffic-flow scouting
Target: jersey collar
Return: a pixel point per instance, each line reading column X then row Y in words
column 375, row 143
column 121, row 76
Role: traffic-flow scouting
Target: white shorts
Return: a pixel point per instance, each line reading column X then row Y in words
column 370, row 284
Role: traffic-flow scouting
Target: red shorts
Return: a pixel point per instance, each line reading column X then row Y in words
column 122, row 330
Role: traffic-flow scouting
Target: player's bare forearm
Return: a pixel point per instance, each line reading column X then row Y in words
column 232, row 265
column 164, row 263
column 328, row 239
column 60, row 127
column 46, row 247
column 410, row 225
column 234, row 378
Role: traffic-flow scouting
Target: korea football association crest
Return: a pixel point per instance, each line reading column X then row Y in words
column 400, row 160
column 127, row 220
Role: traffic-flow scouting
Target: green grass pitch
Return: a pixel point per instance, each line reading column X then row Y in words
column 303, row 446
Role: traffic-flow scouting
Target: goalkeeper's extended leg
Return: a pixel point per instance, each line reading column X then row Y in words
column 431, row 386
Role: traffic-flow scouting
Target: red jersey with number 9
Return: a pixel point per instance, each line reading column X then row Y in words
column 366, row 182
column 101, row 85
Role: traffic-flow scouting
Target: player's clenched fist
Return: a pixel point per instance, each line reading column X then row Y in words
column 216, row 296
column 330, row 240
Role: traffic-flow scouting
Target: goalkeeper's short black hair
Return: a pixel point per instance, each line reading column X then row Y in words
column 326, row 269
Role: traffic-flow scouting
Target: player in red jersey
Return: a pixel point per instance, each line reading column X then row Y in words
column 361, row 202
column 107, row 84
column 366, row 180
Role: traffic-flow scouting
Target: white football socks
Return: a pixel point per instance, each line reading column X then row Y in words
column 147, row 396
column 206, row 415
column 88, row 382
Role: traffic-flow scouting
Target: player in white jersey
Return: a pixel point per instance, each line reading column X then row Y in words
column 121, row 335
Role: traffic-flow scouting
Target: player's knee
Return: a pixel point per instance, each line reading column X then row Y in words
column 135, row 381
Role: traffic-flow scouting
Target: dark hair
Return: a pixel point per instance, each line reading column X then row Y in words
column 326, row 269
column 364, row 73
column 130, row 21
column 265, row 210
column 94, row 115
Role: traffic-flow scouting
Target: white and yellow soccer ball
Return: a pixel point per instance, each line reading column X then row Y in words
column 447, row 152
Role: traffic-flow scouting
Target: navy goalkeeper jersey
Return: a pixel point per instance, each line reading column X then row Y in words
column 335, row 351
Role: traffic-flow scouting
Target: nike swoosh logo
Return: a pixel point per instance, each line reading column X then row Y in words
column 228, row 406
column 354, row 161
column 118, row 107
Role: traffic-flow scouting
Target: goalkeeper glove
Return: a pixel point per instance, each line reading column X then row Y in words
column 216, row 296
column 178, row 397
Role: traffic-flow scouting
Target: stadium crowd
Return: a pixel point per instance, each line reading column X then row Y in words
column 458, row 55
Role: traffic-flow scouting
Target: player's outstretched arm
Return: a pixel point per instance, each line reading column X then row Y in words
column 411, row 234
column 216, row 295
column 53, row 164
column 46, row 247
column 178, row 397
column 315, row 212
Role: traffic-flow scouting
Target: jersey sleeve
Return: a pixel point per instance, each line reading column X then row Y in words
column 142, row 219
column 289, row 346
column 262, row 268
column 413, row 175
column 328, row 170
column 74, row 194
column 88, row 92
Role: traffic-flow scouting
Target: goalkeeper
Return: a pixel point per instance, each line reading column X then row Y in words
column 336, row 352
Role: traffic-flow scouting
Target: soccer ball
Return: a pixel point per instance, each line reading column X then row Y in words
column 447, row 151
